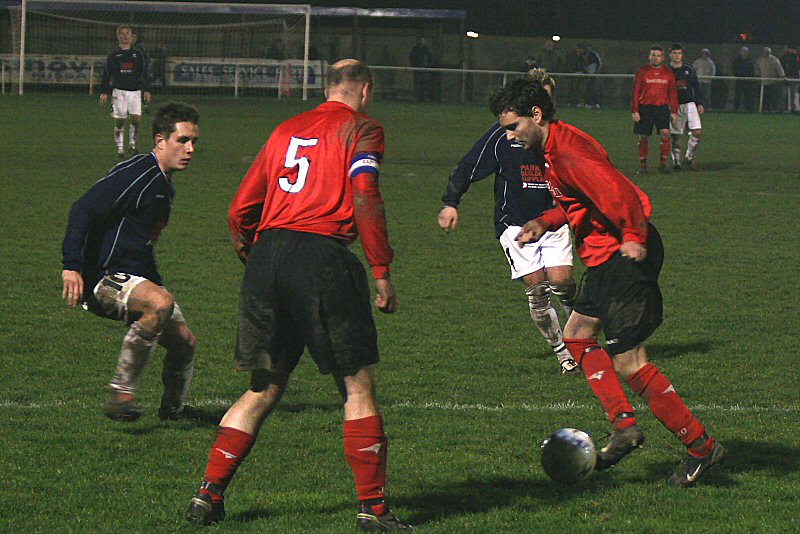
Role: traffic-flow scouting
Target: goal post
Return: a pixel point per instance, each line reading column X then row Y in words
column 200, row 47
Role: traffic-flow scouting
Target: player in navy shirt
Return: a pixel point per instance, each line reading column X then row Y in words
column 520, row 194
column 126, row 79
column 689, row 108
column 110, row 269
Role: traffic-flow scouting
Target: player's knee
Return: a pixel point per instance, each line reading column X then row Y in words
column 579, row 348
column 538, row 296
column 119, row 123
column 565, row 291
column 160, row 307
column 697, row 133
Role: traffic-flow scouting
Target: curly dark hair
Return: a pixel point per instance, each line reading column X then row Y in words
column 171, row 113
column 520, row 96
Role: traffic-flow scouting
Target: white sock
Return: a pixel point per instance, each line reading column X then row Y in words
column 137, row 347
column 119, row 138
column 692, row 146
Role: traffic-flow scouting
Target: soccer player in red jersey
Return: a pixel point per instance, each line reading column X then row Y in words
column 654, row 103
column 310, row 191
column 619, row 295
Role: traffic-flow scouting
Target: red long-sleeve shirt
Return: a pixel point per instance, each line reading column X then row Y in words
column 654, row 86
column 317, row 173
column 602, row 206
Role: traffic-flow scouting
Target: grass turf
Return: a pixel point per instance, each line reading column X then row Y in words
column 468, row 387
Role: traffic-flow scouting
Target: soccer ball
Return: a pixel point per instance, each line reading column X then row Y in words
column 568, row 455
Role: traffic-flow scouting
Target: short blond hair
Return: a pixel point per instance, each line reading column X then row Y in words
column 546, row 80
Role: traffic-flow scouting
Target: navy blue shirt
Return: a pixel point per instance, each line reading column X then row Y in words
column 125, row 69
column 688, row 84
column 520, row 191
column 114, row 225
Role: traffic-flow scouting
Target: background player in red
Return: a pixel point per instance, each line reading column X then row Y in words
column 654, row 103
column 310, row 191
column 619, row 294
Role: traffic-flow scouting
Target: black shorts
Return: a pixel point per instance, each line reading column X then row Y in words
column 650, row 116
column 625, row 296
column 304, row 290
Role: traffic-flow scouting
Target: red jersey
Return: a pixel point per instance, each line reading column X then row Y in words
column 602, row 206
column 305, row 179
column 655, row 86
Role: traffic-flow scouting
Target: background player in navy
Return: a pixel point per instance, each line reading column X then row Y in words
column 521, row 194
column 126, row 79
column 619, row 293
column 310, row 191
column 110, row 267
column 689, row 108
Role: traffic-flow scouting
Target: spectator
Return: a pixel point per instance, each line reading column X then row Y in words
column 790, row 61
column 277, row 51
column 550, row 57
column 705, row 68
column 528, row 65
column 769, row 68
column 576, row 62
column 421, row 56
column 158, row 65
column 719, row 89
column 385, row 78
column 744, row 90
column 592, row 63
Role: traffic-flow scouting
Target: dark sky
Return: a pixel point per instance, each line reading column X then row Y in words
column 769, row 21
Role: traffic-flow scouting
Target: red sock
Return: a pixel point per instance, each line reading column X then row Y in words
column 365, row 449
column 599, row 371
column 228, row 451
column 666, row 405
column 664, row 149
column 643, row 150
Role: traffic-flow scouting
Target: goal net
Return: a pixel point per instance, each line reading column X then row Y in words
column 196, row 48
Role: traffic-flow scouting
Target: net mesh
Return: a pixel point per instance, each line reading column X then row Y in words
column 199, row 47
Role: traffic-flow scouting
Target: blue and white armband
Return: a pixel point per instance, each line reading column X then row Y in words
column 365, row 162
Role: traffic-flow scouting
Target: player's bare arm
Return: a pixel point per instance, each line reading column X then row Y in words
column 448, row 218
column 385, row 299
column 633, row 250
column 103, row 98
column 636, row 117
column 531, row 232
column 73, row 287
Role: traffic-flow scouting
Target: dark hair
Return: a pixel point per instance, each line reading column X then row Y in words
column 657, row 47
column 675, row 46
column 349, row 70
column 172, row 113
column 520, row 96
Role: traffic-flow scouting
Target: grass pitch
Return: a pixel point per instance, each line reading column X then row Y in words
column 468, row 387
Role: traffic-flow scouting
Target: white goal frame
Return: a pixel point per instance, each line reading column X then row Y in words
column 145, row 6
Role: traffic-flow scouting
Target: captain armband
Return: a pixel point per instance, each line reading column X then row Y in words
column 365, row 162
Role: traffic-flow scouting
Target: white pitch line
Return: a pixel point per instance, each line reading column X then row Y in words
column 444, row 406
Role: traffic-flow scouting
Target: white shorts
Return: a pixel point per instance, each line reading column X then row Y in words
column 125, row 103
column 112, row 293
column 554, row 249
column 687, row 116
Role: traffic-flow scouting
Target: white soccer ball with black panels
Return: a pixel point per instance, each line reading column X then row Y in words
column 568, row 455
